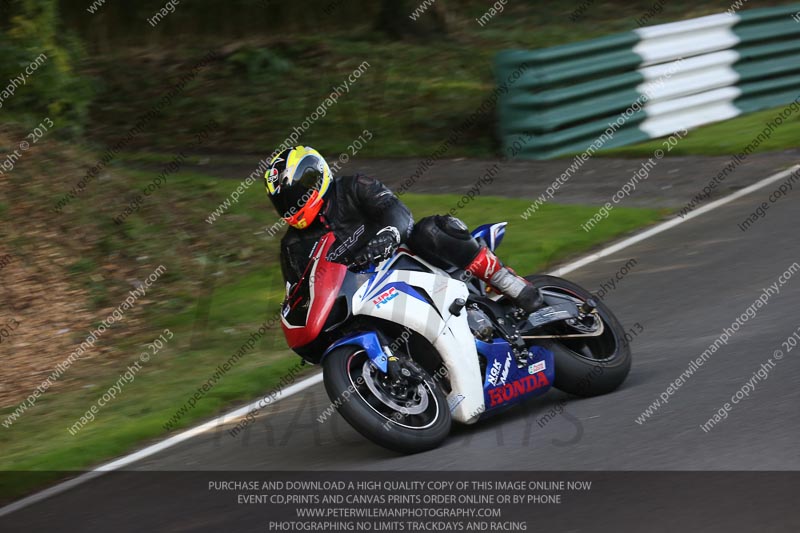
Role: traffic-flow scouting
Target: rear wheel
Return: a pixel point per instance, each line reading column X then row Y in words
column 407, row 415
column 586, row 365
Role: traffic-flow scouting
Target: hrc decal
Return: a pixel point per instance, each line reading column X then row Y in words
column 384, row 297
column 402, row 286
column 518, row 388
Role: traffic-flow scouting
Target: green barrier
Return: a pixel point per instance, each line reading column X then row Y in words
column 570, row 94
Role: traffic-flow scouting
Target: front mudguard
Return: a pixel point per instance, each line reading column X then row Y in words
column 464, row 408
column 371, row 344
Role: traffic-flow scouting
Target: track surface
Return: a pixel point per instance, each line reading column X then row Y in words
column 671, row 183
column 690, row 282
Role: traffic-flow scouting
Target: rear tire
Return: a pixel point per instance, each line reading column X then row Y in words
column 593, row 366
column 362, row 409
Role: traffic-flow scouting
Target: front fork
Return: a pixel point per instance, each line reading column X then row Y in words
column 376, row 346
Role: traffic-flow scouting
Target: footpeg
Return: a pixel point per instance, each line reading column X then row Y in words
column 588, row 306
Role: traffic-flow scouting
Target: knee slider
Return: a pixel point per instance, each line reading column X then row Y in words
column 453, row 227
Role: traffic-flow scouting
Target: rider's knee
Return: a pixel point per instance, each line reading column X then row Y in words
column 444, row 241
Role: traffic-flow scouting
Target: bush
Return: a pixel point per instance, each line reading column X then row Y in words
column 259, row 64
column 42, row 57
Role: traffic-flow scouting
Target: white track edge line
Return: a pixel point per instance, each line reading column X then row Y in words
column 154, row 448
column 317, row 378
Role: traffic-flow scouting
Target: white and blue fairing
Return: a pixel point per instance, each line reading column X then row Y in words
column 420, row 301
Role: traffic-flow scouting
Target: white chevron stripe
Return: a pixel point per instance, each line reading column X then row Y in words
column 669, row 116
column 688, row 38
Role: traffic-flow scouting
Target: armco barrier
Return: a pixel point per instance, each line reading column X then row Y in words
column 651, row 82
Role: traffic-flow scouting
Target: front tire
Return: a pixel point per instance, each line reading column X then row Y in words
column 588, row 366
column 355, row 386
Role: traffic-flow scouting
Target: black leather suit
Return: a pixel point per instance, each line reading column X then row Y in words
column 355, row 209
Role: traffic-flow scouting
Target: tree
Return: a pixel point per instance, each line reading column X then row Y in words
column 412, row 18
column 36, row 50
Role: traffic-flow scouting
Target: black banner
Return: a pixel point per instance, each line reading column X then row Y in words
column 416, row 501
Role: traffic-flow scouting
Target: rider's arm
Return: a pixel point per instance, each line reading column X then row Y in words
column 380, row 205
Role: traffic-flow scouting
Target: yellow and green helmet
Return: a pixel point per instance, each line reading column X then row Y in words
column 297, row 180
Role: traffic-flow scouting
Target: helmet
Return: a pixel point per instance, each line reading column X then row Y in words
column 297, row 180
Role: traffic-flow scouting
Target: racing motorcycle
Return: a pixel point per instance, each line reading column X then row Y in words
column 407, row 348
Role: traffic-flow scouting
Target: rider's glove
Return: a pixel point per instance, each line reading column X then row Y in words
column 380, row 247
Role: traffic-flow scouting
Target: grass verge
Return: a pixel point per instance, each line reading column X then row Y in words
column 723, row 138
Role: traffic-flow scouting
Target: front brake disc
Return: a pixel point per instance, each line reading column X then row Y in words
column 387, row 400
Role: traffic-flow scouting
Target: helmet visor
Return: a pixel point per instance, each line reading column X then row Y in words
column 291, row 199
column 309, row 172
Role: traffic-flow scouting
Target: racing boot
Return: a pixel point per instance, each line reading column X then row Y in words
column 488, row 268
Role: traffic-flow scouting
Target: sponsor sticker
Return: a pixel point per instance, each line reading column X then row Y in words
column 536, row 367
column 506, row 368
column 495, row 376
column 272, row 181
column 455, row 401
column 515, row 389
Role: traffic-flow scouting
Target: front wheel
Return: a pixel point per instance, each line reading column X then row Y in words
column 586, row 365
column 404, row 415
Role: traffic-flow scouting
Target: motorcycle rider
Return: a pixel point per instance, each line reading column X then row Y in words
column 369, row 223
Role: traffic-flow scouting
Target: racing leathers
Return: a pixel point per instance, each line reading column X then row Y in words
column 369, row 222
